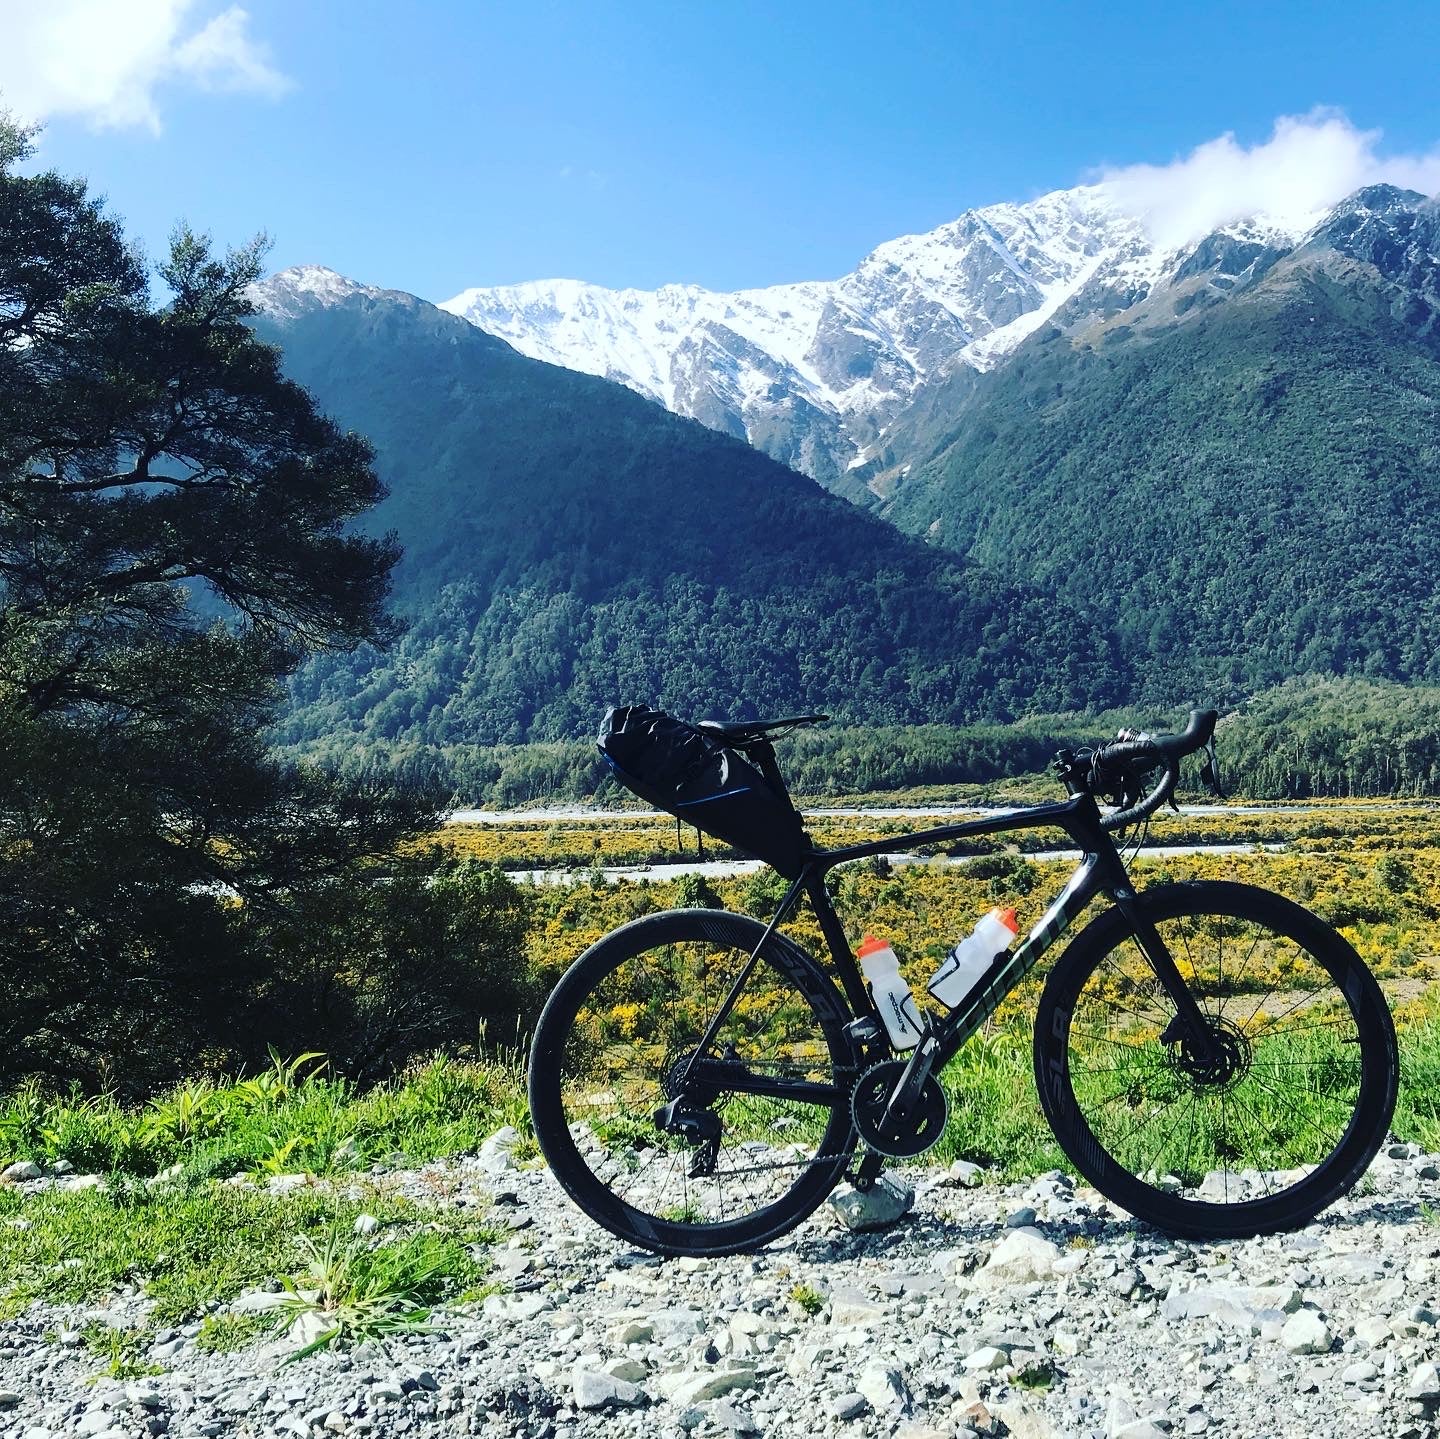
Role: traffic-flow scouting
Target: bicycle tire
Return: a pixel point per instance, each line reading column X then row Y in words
column 566, row 1042
column 1286, row 1085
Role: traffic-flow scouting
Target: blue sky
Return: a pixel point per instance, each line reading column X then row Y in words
column 432, row 146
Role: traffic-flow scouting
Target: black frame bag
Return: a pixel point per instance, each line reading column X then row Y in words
column 705, row 782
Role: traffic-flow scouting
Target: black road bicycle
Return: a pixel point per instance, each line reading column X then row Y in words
column 1213, row 1058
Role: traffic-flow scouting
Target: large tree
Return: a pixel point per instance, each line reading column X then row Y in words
column 175, row 534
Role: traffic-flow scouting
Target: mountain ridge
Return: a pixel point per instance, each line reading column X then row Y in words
column 810, row 372
column 814, row 372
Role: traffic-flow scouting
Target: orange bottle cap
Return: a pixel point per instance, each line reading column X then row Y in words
column 1009, row 919
column 869, row 945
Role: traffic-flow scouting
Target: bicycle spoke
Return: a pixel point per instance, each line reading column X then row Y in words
column 1244, row 1118
column 634, row 1035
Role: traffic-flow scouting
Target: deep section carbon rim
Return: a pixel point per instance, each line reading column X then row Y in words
column 1264, row 1126
column 685, row 1155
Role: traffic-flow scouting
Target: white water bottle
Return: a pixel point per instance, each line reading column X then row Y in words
column 966, row 965
column 892, row 995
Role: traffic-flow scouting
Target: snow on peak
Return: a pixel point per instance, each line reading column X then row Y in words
column 301, row 288
column 838, row 357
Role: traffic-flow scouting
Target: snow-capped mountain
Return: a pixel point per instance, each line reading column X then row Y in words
column 813, row 372
column 816, row 373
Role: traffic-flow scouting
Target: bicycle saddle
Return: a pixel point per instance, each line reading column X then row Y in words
column 748, row 731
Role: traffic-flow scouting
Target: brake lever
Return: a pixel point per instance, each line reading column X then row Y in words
column 1210, row 770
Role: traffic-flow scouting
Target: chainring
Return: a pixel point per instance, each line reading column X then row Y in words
column 871, row 1097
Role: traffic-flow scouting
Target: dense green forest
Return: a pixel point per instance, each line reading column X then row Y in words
column 1317, row 735
column 569, row 545
column 1242, row 471
column 1227, row 485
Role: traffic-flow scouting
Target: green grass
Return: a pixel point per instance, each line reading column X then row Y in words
column 119, row 1351
column 225, row 1333
column 292, row 1119
column 189, row 1247
column 357, row 1291
column 810, row 1299
column 193, row 1241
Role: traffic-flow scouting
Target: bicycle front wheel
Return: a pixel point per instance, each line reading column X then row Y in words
column 1279, row 1119
column 758, row 1130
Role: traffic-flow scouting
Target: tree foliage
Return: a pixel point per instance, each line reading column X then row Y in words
column 176, row 532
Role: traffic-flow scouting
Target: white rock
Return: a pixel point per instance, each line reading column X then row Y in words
column 256, row 1302
column 1424, row 1383
column 988, row 1358
column 1023, row 1422
column 680, row 1323
column 886, row 1202
column 366, row 1224
column 849, row 1406
column 1021, row 1257
column 686, row 1389
column 884, row 1388
column 1139, row 1429
column 965, row 1174
column 632, row 1331
column 1238, row 1306
column 497, row 1154
column 307, row 1326
column 74, row 1183
column 1306, row 1332
column 21, row 1170
column 853, row 1306
column 603, row 1391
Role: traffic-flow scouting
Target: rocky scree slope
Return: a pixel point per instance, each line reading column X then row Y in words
column 1034, row 1310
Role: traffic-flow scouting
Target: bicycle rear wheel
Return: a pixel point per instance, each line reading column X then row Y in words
column 1265, row 1132
column 765, row 1129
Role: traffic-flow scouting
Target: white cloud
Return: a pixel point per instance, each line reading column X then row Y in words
column 105, row 60
column 1308, row 164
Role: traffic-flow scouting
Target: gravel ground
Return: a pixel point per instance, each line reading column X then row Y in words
column 1034, row 1310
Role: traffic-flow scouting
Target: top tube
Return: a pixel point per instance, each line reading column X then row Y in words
column 1078, row 817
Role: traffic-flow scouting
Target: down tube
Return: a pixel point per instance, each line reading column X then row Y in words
column 1012, row 968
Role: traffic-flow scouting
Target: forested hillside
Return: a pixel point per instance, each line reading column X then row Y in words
column 1243, row 471
column 1314, row 735
column 569, row 545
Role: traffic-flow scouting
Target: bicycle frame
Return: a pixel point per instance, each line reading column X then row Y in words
column 1101, row 871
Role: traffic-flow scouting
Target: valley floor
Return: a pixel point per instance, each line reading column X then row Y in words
column 1033, row 1309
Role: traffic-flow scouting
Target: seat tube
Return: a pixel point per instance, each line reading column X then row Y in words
column 856, row 990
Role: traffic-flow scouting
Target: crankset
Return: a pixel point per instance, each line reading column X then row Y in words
column 900, row 1136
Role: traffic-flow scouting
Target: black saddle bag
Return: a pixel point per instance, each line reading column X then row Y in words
column 694, row 775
